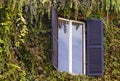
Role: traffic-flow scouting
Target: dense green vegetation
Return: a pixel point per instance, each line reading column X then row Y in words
column 25, row 32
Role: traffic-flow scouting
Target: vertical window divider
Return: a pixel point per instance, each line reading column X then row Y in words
column 70, row 46
column 84, row 51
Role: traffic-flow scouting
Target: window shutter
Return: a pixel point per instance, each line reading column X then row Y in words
column 95, row 61
column 54, row 38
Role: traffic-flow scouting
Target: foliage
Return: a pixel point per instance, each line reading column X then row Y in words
column 25, row 32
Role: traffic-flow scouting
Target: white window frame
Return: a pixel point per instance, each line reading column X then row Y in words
column 70, row 45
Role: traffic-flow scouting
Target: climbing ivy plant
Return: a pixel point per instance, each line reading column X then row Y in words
column 25, row 47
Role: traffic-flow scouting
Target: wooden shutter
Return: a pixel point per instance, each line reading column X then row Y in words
column 94, row 55
column 54, row 38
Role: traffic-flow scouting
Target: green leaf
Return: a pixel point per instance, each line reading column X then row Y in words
column 1, row 49
column 1, row 41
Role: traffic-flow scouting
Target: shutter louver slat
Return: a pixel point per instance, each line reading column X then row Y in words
column 54, row 38
column 94, row 48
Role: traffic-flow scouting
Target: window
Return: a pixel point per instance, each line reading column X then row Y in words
column 77, row 47
column 71, row 46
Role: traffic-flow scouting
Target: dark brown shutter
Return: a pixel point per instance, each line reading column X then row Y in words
column 54, row 38
column 95, row 55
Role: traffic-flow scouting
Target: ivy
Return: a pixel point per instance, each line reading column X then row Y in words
column 25, row 32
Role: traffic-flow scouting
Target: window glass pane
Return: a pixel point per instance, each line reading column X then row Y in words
column 77, row 48
column 63, row 45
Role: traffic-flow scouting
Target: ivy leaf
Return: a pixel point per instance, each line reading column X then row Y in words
column 1, row 49
column 43, row 2
column 17, row 44
column 1, row 41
